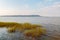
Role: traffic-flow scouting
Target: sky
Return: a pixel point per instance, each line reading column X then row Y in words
column 49, row 8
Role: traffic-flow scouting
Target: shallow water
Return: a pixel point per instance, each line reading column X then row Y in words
column 51, row 24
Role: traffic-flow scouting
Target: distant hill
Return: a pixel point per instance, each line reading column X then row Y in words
column 20, row 16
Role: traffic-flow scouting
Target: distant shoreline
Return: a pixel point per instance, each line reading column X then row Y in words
column 20, row 16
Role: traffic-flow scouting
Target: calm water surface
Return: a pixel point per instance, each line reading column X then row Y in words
column 51, row 24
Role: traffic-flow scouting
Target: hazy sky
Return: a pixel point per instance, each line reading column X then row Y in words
column 41, row 7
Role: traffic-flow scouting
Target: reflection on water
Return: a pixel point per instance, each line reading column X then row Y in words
column 2, row 31
column 4, row 35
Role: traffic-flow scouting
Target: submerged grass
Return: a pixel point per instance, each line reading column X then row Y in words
column 33, row 30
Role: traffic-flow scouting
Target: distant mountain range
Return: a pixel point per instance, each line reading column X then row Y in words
column 20, row 16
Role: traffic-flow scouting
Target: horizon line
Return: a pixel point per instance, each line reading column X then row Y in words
column 19, row 15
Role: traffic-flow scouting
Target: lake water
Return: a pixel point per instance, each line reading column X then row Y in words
column 52, row 24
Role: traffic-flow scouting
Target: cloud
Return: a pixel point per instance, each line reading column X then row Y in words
column 16, row 12
column 51, row 11
column 22, row 7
